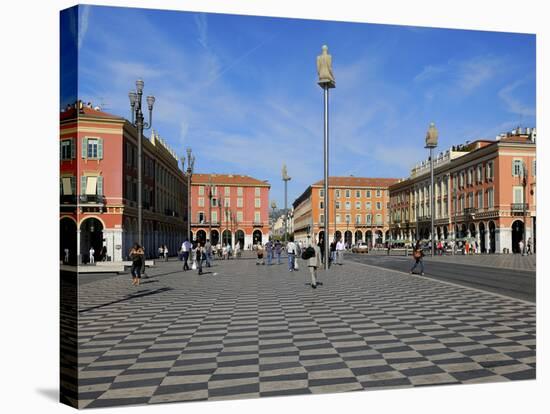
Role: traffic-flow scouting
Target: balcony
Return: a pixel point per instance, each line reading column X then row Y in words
column 469, row 211
column 258, row 223
column 91, row 199
column 67, row 199
column 519, row 207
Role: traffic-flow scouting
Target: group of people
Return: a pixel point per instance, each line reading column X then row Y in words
column 163, row 252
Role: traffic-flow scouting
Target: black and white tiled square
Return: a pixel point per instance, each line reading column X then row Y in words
column 244, row 331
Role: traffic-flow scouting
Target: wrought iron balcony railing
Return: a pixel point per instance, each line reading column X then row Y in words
column 519, row 206
column 91, row 199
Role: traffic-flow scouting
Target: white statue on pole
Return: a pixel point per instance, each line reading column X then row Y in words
column 324, row 69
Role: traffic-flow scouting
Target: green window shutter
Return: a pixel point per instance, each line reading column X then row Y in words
column 84, row 147
column 61, row 185
column 100, row 185
column 73, row 185
column 60, row 150
column 83, row 180
column 100, row 148
column 73, row 149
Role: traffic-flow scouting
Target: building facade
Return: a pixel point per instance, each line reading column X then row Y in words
column 485, row 192
column 98, row 187
column 230, row 209
column 358, row 210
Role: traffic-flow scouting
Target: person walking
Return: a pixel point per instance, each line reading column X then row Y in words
column 269, row 251
column 259, row 254
column 417, row 255
column 224, row 251
column 136, row 256
column 200, row 254
column 161, row 251
column 66, row 258
column 278, row 249
column 321, row 246
column 208, row 252
column 313, row 263
column 332, row 248
column 291, row 253
column 529, row 245
column 165, row 253
column 521, row 245
column 340, row 246
column 185, row 250
column 92, row 252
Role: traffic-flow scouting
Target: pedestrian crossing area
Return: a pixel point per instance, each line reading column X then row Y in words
column 252, row 331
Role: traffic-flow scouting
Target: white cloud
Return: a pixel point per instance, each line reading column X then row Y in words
column 514, row 103
column 83, row 18
column 202, row 28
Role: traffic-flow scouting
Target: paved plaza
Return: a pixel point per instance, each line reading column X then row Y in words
column 246, row 331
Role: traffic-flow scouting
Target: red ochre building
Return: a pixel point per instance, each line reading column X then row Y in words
column 98, row 187
column 229, row 209
column 485, row 191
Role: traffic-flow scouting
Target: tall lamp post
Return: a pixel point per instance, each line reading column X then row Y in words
column 210, row 209
column 189, row 174
column 326, row 81
column 138, row 122
column 455, row 208
column 524, row 182
column 286, row 179
column 431, row 143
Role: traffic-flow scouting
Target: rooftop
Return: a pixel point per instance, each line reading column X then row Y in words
column 228, row 179
column 352, row 181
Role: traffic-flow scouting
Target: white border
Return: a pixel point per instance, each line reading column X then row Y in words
column 29, row 108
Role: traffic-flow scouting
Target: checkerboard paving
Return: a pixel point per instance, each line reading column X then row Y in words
column 246, row 331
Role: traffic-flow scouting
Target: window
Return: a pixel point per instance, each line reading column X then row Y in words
column 517, row 168
column 358, row 219
column 201, row 190
column 321, row 193
column 378, row 219
column 257, row 202
column 337, row 203
column 348, row 218
column 201, row 217
column 257, row 191
column 227, row 191
column 480, row 199
column 201, row 201
column 337, row 193
column 214, row 202
column 321, row 205
column 66, row 151
column 369, row 219
column 337, row 218
column 470, row 176
column 348, row 205
column 321, row 218
column 257, row 218
column 227, row 202
column 357, row 193
column 490, row 198
column 214, row 217
column 68, row 186
column 534, row 168
column 462, row 203
column 240, row 191
column 489, row 170
column 239, row 216
column 348, row 193
column 479, row 176
column 92, row 148
column 378, row 205
column 358, row 205
column 471, row 199
column 367, row 194
column 518, row 194
column 378, row 193
column 368, row 205
column 239, row 202
column 91, row 185
column 214, row 190
column 462, row 179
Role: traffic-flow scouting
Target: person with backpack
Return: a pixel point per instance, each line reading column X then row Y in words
column 278, row 249
column 417, row 255
column 312, row 254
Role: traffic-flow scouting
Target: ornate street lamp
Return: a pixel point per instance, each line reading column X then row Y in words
column 273, row 207
column 286, row 179
column 138, row 122
column 189, row 174
column 431, row 143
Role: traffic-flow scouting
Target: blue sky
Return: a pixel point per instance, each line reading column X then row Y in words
column 241, row 90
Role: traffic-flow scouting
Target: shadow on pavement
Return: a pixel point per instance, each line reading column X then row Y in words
column 136, row 295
